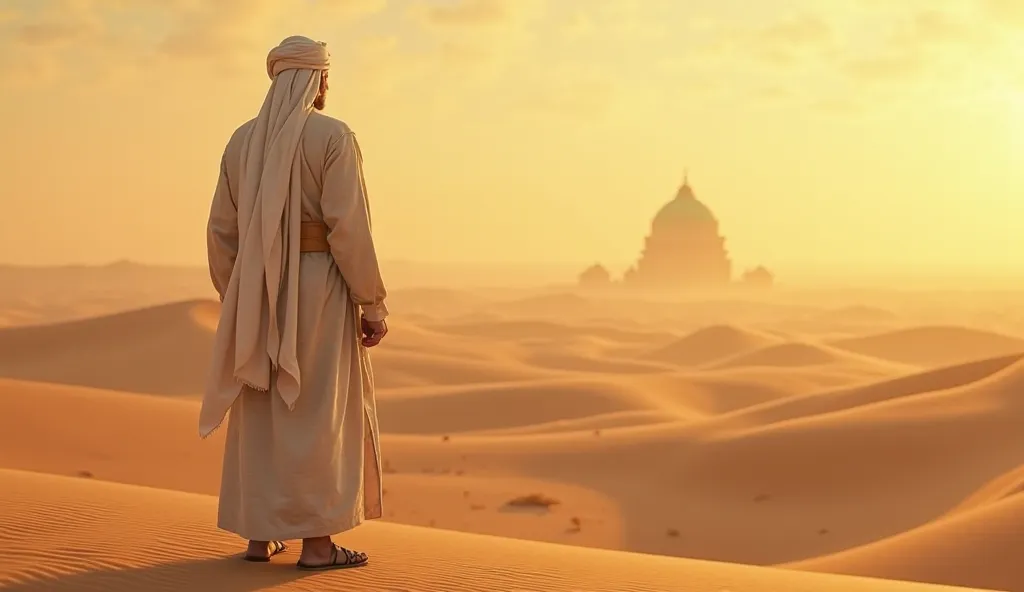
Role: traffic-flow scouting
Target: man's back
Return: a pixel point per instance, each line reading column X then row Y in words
column 320, row 135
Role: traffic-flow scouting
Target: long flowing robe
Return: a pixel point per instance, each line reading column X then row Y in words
column 310, row 468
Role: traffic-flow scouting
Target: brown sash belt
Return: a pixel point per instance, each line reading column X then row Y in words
column 313, row 238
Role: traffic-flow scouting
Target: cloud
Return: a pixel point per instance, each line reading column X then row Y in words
column 924, row 42
column 475, row 40
column 35, row 43
column 1003, row 12
column 837, row 106
column 803, row 31
column 56, row 23
column 783, row 42
column 465, row 13
column 227, row 29
column 580, row 97
column 895, row 66
column 770, row 92
column 348, row 9
column 144, row 35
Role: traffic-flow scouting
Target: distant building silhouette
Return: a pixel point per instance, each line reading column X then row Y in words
column 759, row 277
column 595, row 276
column 684, row 248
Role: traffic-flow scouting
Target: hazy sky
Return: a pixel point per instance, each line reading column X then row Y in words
column 856, row 134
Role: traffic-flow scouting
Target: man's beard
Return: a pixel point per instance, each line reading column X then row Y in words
column 319, row 102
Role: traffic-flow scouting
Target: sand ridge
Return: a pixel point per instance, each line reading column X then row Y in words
column 707, row 429
column 933, row 346
column 163, row 349
column 120, row 537
column 710, row 344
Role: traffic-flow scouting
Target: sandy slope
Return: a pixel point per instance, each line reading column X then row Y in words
column 114, row 538
column 730, row 442
column 163, row 350
column 933, row 346
column 710, row 344
column 981, row 546
column 781, row 481
column 796, row 354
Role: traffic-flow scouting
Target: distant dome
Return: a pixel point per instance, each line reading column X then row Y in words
column 684, row 248
column 595, row 276
column 685, row 211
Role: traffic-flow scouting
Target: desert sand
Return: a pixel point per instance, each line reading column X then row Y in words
column 752, row 442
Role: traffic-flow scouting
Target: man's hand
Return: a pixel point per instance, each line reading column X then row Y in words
column 373, row 332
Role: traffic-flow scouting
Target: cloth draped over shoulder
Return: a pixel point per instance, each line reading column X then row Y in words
column 256, row 339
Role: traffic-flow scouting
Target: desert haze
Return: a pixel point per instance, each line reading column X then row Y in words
column 804, row 433
column 685, row 295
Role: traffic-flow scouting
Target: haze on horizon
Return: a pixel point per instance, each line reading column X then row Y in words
column 860, row 136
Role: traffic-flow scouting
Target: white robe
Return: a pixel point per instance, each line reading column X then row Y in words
column 313, row 470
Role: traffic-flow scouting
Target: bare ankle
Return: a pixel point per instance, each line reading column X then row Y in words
column 317, row 545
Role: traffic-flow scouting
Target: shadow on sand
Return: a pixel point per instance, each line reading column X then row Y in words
column 225, row 574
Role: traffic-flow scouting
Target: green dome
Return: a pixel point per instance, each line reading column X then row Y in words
column 685, row 211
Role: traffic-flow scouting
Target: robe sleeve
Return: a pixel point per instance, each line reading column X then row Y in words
column 347, row 215
column 222, row 233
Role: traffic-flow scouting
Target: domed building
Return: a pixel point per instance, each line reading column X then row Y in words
column 595, row 277
column 684, row 248
column 759, row 278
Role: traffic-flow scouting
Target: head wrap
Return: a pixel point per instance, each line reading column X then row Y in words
column 298, row 53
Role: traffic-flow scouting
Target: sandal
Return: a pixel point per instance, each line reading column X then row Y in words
column 352, row 559
column 275, row 548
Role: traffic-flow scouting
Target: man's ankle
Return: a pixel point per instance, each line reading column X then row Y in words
column 317, row 543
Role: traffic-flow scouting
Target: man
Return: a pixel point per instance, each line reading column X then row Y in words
column 293, row 260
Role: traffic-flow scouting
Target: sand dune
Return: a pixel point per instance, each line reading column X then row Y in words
column 161, row 350
column 165, row 350
column 759, row 491
column 982, row 546
column 38, row 295
column 822, row 402
column 115, row 436
column 501, row 406
column 711, row 343
column 115, row 537
column 892, row 465
column 771, row 492
column 933, row 346
column 549, row 330
column 796, row 354
column 856, row 314
column 573, row 361
column 840, row 323
column 888, row 453
column 400, row 369
column 1004, row 486
column 590, row 423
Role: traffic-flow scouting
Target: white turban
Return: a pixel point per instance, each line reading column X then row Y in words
column 298, row 53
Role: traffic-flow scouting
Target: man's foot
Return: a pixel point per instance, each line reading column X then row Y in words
column 339, row 558
column 262, row 551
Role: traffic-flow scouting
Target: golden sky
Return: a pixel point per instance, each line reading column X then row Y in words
column 861, row 135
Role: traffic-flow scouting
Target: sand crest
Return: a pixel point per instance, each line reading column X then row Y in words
column 716, row 431
column 79, row 535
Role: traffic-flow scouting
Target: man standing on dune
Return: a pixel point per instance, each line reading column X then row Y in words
column 292, row 257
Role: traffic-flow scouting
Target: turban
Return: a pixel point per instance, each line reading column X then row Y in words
column 298, row 53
